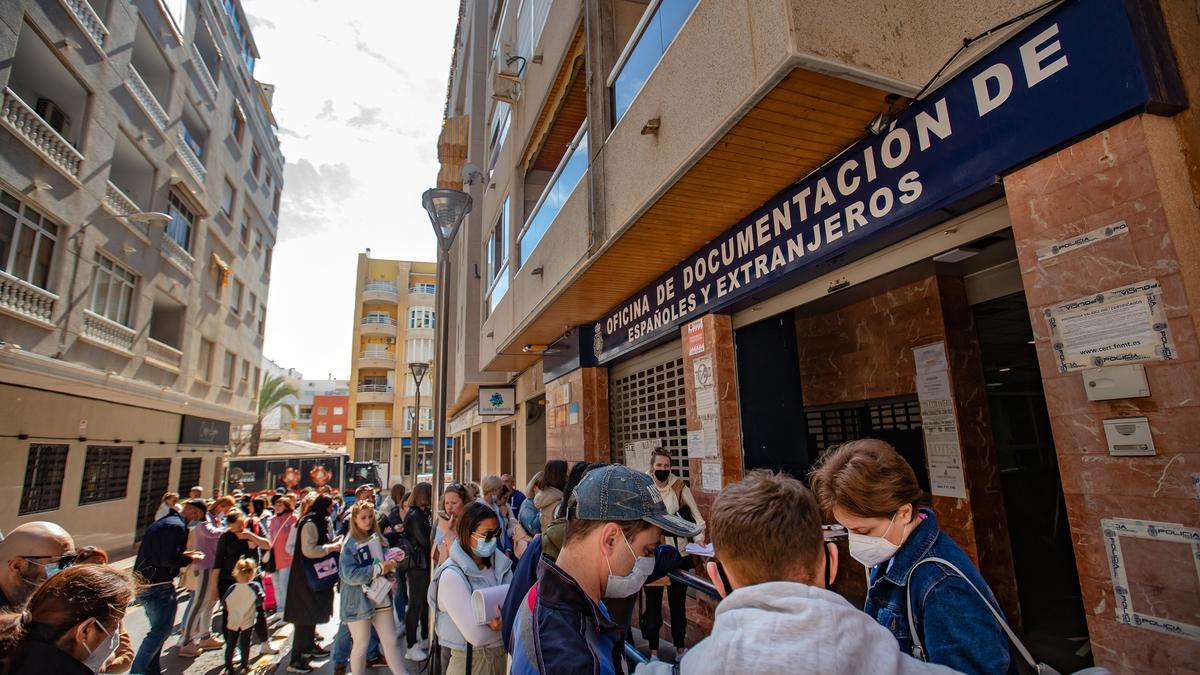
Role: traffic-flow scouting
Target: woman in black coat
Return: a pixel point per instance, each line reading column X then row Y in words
column 418, row 527
column 306, row 608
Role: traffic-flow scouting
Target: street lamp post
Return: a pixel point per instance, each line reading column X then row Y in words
column 446, row 209
column 418, row 370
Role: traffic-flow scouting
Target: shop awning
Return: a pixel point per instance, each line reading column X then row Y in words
column 452, row 151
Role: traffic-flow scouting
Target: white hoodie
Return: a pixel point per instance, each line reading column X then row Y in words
column 784, row 627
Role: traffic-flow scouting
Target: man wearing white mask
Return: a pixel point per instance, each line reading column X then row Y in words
column 608, row 552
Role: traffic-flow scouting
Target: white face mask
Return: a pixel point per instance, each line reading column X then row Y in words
column 99, row 656
column 871, row 551
column 623, row 587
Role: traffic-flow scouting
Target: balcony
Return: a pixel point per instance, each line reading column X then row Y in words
column 206, row 77
column 163, row 356
column 377, row 358
column 107, row 333
column 375, row 393
column 568, row 175
column 420, row 296
column 373, row 429
column 190, row 160
column 384, row 291
column 146, row 99
column 83, row 14
column 26, row 301
column 378, row 325
column 178, row 257
column 35, row 132
column 118, row 203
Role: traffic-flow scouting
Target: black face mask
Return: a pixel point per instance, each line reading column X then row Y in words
column 662, row 475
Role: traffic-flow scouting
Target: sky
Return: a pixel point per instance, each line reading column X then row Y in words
column 360, row 90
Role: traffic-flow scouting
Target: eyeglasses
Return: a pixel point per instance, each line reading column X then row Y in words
column 57, row 565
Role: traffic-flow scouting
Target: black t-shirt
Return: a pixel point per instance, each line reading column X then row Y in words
column 230, row 549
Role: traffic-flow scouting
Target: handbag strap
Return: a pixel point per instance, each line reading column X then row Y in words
column 919, row 651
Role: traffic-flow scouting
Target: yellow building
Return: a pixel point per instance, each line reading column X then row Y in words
column 394, row 321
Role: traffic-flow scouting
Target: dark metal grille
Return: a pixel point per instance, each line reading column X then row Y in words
column 650, row 405
column 189, row 475
column 43, row 478
column 105, row 474
column 155, row 475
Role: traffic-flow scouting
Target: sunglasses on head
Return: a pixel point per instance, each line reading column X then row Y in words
column 489, row 535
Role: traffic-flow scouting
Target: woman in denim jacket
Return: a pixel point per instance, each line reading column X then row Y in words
column 872, row 491
column 362, row 562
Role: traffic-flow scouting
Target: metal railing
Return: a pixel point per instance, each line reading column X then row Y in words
column 374, row 389
column 25, row 299
column 694, row 582
column 146, row 99
column 108, row 332
column 373, row 424
column 39, row 135
column 374, row 354
column 381, row 287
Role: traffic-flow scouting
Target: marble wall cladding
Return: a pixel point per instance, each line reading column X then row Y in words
column 863, row 351
column 588, row 438
column 1118, row 174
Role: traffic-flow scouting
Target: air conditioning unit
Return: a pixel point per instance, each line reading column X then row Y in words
column 506, row 83
column 54, row 115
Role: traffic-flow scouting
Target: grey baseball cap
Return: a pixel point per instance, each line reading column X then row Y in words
column 616, row 492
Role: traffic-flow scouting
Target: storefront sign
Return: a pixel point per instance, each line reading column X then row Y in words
column 203, row 431
column 497, row 400
column 1079, row 67
column 1122, row 325
column 943, row 454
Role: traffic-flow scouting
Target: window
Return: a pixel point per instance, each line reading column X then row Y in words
column 339, row 410
column 321, row 428
column 235, row 296
column 189, row 474
column 424, row 287
column 562, row 184
column 410, row 387
column 245, row 372
column 372, row 449
column 337, row 428
column 180, row 227
column 227, row 197
column 496, row 260
column 44, row 472
column 255, row 161
column 262, row 319
column 379, row 317
column 270, row 180
column 105, row 474
column 419, row 349
column 421, row 317
column 246, row 227
column 239, row 124
column 426, row 419
column 408, row 417
column 190, row 140
column 323, row 410
column 500, row 121
column 267, row 261
column 250, row 307
column 275, row 204
column 230, row 369
column 648, row 48
column 27, row 240
column 257, row 380
column 112, row 289
column 258, row 239
column 204, row 361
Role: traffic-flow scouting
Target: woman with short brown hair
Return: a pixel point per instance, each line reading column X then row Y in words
column 872, row 491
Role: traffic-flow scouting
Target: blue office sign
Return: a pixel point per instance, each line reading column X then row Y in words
column 1082, row 66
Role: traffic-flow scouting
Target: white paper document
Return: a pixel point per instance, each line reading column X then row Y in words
column 486, row 602
column 705, row 550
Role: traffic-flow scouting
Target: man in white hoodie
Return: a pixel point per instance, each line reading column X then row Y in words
column 776, row 615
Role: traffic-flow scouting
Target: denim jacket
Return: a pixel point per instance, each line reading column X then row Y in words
column 955, row 628
column 357, row 570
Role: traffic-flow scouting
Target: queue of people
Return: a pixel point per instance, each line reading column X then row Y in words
column 559, row 568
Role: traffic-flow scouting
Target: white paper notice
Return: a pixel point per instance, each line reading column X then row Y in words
column 706, row 411
column 942, row 452
column 637, row 454
column 1122, row 325
column 710, row 476
column 706, row 402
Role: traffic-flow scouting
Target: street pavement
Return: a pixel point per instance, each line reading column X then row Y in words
column 212, row 662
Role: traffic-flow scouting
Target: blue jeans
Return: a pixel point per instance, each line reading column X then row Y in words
column 159, row 603
column 342, row 643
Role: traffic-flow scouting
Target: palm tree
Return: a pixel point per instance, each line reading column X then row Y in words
column 271, row 396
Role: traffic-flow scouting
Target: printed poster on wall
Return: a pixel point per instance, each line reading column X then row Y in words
column 1121, row 325
column 943, row 455
column 704, row 445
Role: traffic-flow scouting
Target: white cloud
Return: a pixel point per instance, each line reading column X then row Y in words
column 360, row 88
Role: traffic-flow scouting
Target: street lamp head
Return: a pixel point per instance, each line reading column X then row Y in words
column 149, row 217
column 446, row 209
column 418, row 370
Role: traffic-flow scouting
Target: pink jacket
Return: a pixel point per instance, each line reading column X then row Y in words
column 279, row 529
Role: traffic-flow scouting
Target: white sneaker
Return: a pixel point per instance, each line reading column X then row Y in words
column 416, row 653
column 268, row 649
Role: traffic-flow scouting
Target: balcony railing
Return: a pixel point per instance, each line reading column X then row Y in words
column 173, row 252
column 421, row 290
column 574, row 164
column 118, row 203
column 374, row 389
column 381, row 287
column 38, row 135
column 146, row 99
column 107, row 332
column 210, row 85
column 88, row 20
column 373, row 424
column 163, row 355
column 25, row 300
column 190, row 160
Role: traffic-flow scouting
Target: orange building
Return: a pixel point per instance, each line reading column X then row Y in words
column 329, row 420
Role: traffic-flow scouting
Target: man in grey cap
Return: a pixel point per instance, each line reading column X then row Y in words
column 608, row 552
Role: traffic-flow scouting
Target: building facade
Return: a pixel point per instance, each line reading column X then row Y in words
column 329, row 420
column 288, row 421
column 309, row 390
column 746, row 232
column 394, row 326
column 140, row 179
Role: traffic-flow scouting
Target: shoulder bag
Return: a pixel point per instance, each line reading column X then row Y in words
column 919, row 651
column 321, row 574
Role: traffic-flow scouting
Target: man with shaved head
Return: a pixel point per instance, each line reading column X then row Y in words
column 28, row 556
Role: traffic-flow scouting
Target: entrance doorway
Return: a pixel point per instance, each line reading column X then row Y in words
column 156, row 474
column 1043, row 558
